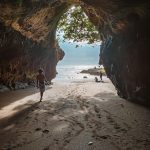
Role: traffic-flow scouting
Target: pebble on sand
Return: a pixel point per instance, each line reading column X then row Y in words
column 90, row 143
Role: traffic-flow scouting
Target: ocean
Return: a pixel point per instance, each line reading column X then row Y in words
column 72, row 73
column 77, row 59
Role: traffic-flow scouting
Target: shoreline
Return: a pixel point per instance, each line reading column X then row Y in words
column 74, row 73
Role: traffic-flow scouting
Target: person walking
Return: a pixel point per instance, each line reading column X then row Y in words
column 41, row 83
column 101, row 74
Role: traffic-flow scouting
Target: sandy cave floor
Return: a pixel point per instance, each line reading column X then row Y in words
column 72, row 116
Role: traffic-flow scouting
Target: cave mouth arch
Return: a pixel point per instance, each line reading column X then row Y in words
column 79, row 39
column 118, row 31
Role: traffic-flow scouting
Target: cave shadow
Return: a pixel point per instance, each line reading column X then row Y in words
column 23, row 110
column 145, row 103
column 59, row 108
column 113, row 96
column 25, row 116
column 13, row 96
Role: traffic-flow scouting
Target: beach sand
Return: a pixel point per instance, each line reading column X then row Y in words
column 82, row 115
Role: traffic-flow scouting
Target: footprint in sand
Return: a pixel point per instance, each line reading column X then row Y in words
column 116, row 125
column 45, row 131
column 105, row 137
column 38, row 129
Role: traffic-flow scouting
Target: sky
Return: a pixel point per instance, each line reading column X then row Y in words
column 85, row 54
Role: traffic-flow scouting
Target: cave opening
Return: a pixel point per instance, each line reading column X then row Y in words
column 80, row 41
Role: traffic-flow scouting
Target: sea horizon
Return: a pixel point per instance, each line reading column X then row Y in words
column 76, row 60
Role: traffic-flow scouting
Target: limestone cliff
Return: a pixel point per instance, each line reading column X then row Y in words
column 27, row 39
column 124, row 29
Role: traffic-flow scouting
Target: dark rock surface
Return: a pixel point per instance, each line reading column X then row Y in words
column 94, row 71
column 27, row 40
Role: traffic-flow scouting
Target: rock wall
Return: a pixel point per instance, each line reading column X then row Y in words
column 28, row 40
column 124, row 30
column 126, row 58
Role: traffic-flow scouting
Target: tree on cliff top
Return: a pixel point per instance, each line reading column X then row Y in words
column 74, row 25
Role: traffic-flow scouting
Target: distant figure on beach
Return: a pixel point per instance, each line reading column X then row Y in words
column 101, row 74
column 41, row 82
column 96, row 79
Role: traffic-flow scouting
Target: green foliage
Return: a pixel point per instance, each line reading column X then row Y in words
column 76, row 26
column 19, row 2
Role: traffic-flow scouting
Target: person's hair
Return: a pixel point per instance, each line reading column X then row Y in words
column 40, row 70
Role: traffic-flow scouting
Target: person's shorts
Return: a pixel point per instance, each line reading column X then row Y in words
column 42, row 87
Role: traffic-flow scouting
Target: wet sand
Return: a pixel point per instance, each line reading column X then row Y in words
column 72, row 116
